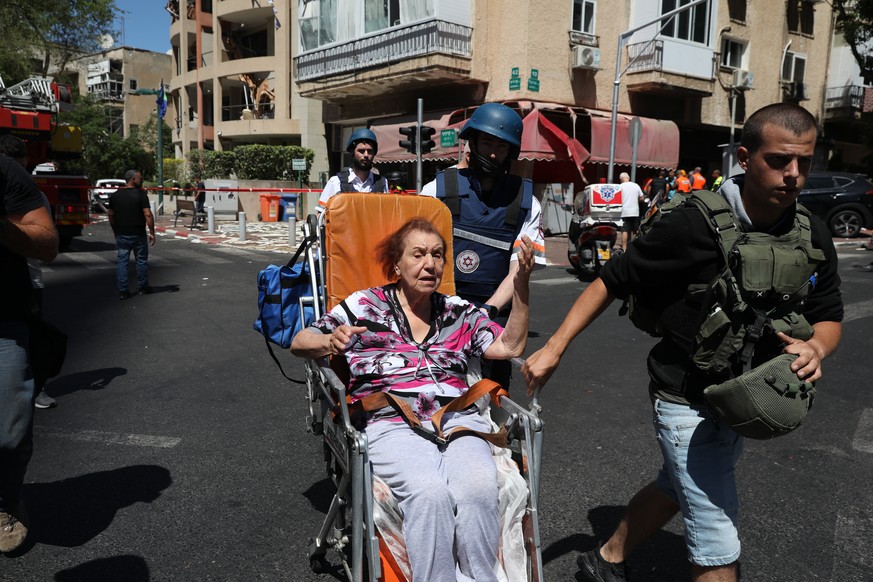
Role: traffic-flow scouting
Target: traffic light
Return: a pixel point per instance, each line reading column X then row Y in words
column 411, row 141
column 427, row 144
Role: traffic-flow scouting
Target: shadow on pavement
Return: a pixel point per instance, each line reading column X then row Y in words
column 83, row 245
column 71, row 512
column 127, row 568
column 90, row 380
column 320, row 494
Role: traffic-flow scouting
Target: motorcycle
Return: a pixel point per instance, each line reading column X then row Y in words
column 594, row 228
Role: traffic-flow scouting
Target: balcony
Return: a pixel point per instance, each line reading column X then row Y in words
column 432, row 50
column 667, row 65
column 846, row 102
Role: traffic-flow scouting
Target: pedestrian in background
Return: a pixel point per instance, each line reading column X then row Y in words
column 717, row 180
column 698, row 180
column 631, row 197
column 683, row 184
column 680, row 254
column 26, row 231
column 129, row 216
column 199, row 195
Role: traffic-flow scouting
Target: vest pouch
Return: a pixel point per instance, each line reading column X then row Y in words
column 756, row 268
column 716, row 341
column 793, row 325
column 791, row 270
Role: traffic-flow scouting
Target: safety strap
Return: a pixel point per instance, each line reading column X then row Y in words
column 379, row 400
column 345, row 185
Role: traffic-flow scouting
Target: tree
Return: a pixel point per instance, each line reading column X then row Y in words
column 52, row 31
column 855, row 22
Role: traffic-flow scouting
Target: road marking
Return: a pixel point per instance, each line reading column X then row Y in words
column 91, row 260
column 858, row 310
column 112, row 438
column 562, row 281
column 853, row 537
column 864, row 433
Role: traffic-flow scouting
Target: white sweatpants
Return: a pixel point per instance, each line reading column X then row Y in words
column 448, row 496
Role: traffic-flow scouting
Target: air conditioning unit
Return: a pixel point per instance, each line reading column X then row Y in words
column 586, row 57
column 743, row 79
column 797, row 91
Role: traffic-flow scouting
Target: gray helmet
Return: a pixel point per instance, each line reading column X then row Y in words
column 767, row 402
column 362, row 134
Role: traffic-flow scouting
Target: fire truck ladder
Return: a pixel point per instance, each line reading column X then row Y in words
column 34, row 94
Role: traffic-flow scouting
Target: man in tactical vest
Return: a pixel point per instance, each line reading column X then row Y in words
column 358, row 178
column 491, row 211
column 783, row 291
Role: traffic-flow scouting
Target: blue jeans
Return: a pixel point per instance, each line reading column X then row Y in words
column 698, row 473
column 16, row 411
column 139, row 244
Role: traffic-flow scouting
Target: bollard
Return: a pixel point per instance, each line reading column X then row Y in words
column 242, row 226
column 210, row 220
column 154, row 207
column 292, row 231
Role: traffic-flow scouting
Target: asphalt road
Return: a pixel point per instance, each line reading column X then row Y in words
column 178, row 451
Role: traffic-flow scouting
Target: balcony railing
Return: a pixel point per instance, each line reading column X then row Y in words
column 391, row 46
column 645, row 56
column 851, row 97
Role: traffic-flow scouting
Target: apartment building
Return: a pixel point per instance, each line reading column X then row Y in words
column 109, row 77
column 232, row 78
column 683, row 83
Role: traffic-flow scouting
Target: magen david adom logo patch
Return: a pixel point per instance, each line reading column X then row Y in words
column 467, row 262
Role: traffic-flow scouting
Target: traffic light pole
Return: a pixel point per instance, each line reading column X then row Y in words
column 418, row 149
column 160, row 145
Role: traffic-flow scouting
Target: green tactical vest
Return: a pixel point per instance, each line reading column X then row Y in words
column 764, row 279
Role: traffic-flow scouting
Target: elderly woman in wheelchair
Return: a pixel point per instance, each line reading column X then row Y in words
column 407, row 348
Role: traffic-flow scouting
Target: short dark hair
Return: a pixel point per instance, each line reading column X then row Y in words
column 13, row 146
column 788, row 116
column 390, row 249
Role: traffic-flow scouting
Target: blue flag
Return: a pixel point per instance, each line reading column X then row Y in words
column 162, row 101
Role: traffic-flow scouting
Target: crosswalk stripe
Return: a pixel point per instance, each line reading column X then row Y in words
column 863, row 440
column 853, row 537
column 91, row 260
column 561, row 281
column 111, row 438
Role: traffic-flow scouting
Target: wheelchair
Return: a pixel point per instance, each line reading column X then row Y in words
column 363, row 525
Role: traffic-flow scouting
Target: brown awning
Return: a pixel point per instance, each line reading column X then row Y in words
column 388, row 135
column 658, row 146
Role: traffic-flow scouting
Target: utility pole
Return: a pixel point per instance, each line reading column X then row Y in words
column 160, row 119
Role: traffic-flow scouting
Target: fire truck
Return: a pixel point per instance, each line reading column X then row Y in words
column 31, row 110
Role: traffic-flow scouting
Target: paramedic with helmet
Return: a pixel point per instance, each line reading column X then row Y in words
column 491, row 211
column 359, row 177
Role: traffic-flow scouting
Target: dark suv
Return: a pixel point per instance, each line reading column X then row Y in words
column 844, row 201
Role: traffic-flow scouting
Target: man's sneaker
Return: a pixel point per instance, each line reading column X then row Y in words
column 145, row 290
column 43, row 400
column 12, row 530
column 124, row 295
column 593, row 567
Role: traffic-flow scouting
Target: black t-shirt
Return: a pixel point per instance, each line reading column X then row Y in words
column 127, row 205
column 679, row 251
column 658, row 186
column 18, row 196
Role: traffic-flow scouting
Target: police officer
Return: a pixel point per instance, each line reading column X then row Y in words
column 359, row 177
column 681, row 253
column 491, row 211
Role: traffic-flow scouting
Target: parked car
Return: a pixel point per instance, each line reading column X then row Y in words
column 844, row 201
column 101, row 191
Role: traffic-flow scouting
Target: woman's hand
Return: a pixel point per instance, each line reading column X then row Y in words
column 343, row 338
column 525, row 259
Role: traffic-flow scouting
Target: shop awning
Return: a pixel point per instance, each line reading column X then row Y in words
column 557, row 157
column 658, row 146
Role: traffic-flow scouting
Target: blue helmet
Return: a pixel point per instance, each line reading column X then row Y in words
column 498, row 120
column 362, row 134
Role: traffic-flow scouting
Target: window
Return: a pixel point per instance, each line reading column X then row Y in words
column 583, row 16
column 732, row 52
column 133, row 84
column 800, row 16
column 691, row 25
column 793, row 67
column 737, row 10
column 381, row 14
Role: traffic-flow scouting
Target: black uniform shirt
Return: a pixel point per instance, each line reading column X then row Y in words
column 127, row 205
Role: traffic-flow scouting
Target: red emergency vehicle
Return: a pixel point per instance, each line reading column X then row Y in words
column 31, row 110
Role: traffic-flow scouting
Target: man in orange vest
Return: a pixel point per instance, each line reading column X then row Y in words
column 698, row 180
column 683, row 184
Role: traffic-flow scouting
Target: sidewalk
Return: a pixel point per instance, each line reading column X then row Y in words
column 274, row 236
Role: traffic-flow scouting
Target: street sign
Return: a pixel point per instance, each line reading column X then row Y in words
column 634, row 131
column 534, row 73
column 515, row 84
column 298, row 164
column 533, row 85
column 448, row 138
column 515, row 72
